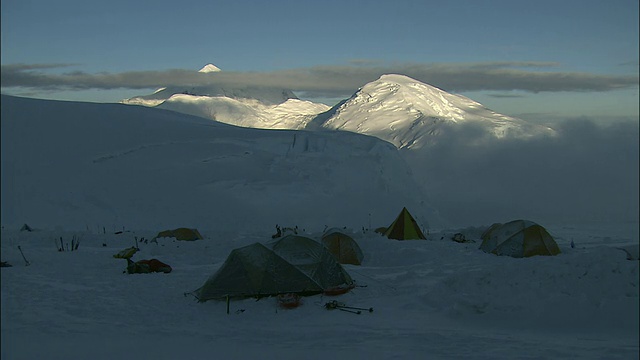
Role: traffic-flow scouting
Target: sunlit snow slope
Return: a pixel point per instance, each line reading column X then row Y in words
column 410, row 114
column 257, row 107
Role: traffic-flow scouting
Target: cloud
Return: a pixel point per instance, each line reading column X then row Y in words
column 588, row 173
column 328, row 80
column 506, row 95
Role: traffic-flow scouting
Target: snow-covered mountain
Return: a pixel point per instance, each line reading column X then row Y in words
column 410, row 114
column 256, row 107
column 77, row 164
column 395, row 108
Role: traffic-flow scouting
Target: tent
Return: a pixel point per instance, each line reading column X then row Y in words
column 518, row 238
column 345, row 249
column 291, row 264
column 180, row 234
column 404, row 227
column 26, row 227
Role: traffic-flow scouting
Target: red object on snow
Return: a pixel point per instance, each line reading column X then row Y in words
column 289, row 301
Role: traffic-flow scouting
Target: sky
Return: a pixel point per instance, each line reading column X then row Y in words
column 536, row 60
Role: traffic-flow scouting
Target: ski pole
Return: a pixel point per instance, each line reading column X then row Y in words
column 26, row 262
column 351, row 311
column 357, row 308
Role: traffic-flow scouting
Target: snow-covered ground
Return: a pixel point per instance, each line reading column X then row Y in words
column 91, row 170
column 434, row 299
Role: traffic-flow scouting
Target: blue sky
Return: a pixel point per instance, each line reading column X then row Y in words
column 534, row 59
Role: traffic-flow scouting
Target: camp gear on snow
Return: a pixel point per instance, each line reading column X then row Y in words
column 342, row 306
column 291, row 264
column 460, row 238
column 278, row 233
column 518, row 238
column 339, row 290
column 381, row 230
column 404, row 227
column 126, row 253
column 289, row 300
column 343, row 247
column 5, row 264
column 180, row 234
column 147, row 266
column 26, row 262
column 351, row 311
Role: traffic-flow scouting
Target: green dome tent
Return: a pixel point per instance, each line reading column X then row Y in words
column 518, row 238
column 292, row 264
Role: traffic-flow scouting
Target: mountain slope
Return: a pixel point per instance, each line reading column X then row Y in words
column 246, row 112
column 410, row 114
column 85, row 164
column 255, row 107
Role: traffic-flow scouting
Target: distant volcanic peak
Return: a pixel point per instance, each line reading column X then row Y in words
column 403, row 81
column 209, row 68
column 409, row 85
column 410, row 113
column 433, row 101
column 400, row 92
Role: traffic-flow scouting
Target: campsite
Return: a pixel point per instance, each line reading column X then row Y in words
column 104, row 249
column 431, row 297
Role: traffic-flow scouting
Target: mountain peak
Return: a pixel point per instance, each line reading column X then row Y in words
column 408, row 112
column 263, row 95
column 209, row 68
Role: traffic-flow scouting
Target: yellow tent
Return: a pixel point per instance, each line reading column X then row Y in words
column 343, row 247
column 404, row 227
column 518, row 238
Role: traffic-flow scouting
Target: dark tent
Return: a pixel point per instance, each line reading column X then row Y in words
column 292, row 264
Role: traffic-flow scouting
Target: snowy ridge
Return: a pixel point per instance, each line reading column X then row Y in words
column 409, row 113
column 246, row 112
column 186, row 170
column 263, row 108
column 268, row 96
